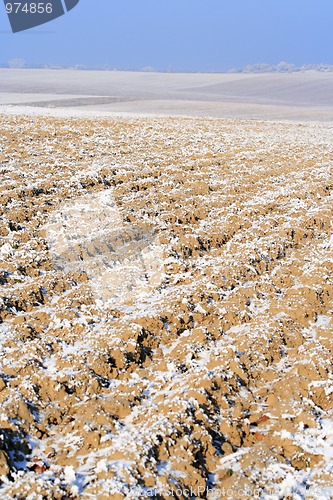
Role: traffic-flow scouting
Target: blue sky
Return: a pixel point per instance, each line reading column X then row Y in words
column 182, row 35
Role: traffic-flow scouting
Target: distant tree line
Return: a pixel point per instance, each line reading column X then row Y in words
column 282, row 67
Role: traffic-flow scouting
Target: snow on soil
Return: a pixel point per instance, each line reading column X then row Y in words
column 214, row 381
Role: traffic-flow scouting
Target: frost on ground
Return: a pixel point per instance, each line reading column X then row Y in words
column 214, row 380
column 121, row 262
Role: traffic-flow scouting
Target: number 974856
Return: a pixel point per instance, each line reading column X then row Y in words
column 29, row 8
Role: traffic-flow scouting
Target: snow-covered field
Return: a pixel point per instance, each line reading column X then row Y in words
column 271, row 96
column 212, row 381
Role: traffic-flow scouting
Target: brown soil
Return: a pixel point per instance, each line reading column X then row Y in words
column 217, row 383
